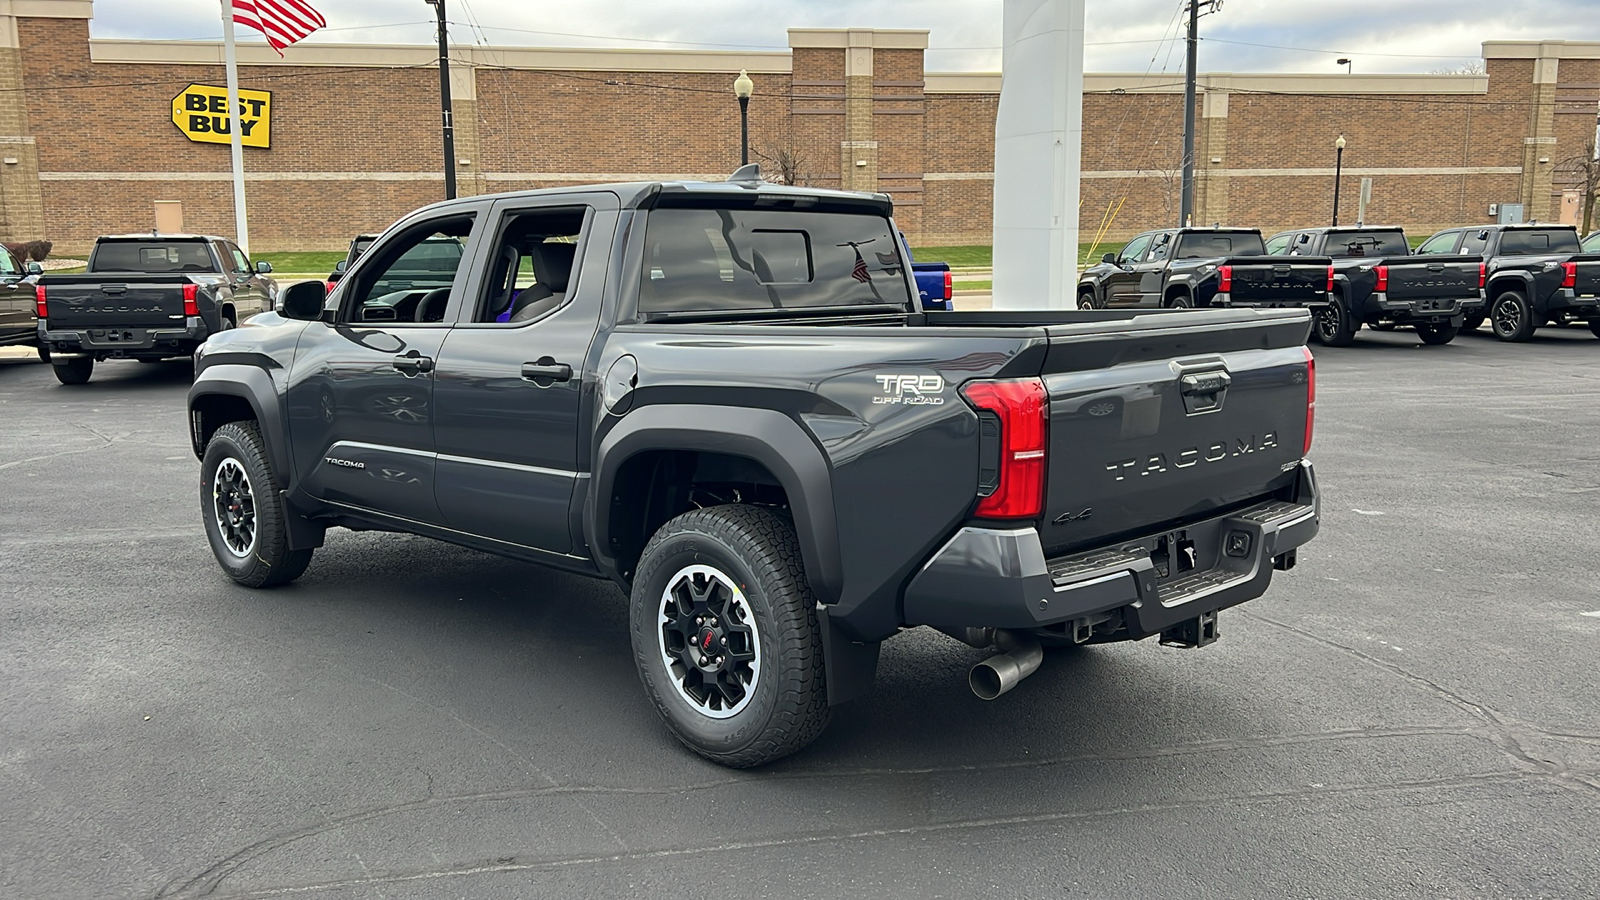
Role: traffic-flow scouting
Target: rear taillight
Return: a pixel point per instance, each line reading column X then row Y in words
column 1023, row 407
column 1311, row 396
column 1225, row 279
column 191, row 296
column 949, row 286
column 1571, row 281
column 1383, row 278
column 1483, row 274
column 1330, row 280
column 38, row 300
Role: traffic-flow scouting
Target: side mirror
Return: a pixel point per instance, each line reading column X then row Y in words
column 1109, row 258
column 341, row 265
column 1305, row 239
column 304, row 301
column 1483, row 235
column 35, row 269
column 263, row 267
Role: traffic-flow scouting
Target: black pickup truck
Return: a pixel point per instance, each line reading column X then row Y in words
column 1532, row 274
column 725, row 398
column 1188, row 267
column 1377, row 282
column 149, row 298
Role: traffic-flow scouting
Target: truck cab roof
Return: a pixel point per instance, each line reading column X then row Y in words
column 160, row 237
column 648, row 194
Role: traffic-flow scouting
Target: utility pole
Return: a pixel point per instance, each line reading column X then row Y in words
column 444, row 102
column 1186, row 210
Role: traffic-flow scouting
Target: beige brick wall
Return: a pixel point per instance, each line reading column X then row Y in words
column 934, row 153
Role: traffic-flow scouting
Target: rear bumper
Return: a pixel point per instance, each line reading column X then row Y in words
column 1383, row 307
column 1000, row 578
column 113, row 342
column 1229, row 299
column 1567, row 302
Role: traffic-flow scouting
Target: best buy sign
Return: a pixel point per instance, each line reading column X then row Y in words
column 201, row 113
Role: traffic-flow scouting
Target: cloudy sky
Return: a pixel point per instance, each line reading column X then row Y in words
column 1123, row 35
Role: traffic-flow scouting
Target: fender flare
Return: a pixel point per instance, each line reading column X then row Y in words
column 766, row 436
column 255, row 387
column 1518, row 275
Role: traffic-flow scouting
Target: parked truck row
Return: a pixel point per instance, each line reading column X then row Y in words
column 1516, row 277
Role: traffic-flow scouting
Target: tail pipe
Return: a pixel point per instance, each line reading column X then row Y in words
column 1020, row 657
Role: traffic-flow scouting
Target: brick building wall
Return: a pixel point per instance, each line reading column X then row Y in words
column 88, row 144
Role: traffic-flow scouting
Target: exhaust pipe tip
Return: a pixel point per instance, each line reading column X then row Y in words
column 1002, row 672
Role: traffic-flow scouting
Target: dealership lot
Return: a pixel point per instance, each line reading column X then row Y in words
column 1413, row 711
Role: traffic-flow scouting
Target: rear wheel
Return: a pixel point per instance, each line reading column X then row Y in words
column 726, row 637
column 1180, row 301
column 1511, row 317
column 1594, row 327
column 243, row 512
column 73, row 371
column 1436, row 334
column 1333, row 326
column 1383, row 326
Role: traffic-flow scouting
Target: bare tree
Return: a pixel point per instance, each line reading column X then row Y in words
column 1475, row 67
column 785, row 159
column 1586, row 170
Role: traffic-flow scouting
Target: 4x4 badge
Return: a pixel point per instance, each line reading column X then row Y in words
column 1066, row 517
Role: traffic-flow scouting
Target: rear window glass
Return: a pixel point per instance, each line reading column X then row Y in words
column 152, row 256
column 1516, row 242
column 1205, row 246
column 1367, row 243
column 733, row 259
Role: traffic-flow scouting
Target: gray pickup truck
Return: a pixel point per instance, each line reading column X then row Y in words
column 148, row 298
column 725, row 398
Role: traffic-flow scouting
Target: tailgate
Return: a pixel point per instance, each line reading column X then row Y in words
column 115, row 304
column 1277, row 280
column 1587, row 283
column 1170, row 421
column 1433, row 278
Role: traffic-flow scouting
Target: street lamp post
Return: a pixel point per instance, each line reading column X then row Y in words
column 1338, row 169
column 444, row 101
column 1349, row 66
column 742, row 86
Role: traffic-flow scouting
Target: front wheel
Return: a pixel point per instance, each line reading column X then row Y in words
column 243, row 511
column 1436, row 335
column 1332, row 325
column 73, row 371
column 1087, row 300
column 1511, row 317
column 1472, row 321
column 1594, row 327
column 726, row 637
column 1180, row 301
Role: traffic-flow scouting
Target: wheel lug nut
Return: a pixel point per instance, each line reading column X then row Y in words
column 704, row 661
column 724, row 642
column 699, row 620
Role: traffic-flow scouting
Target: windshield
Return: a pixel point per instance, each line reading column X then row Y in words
column 153, row 257
column 1367, row 243
column 701, row 260
column 1206, row 246
column 1521, row 242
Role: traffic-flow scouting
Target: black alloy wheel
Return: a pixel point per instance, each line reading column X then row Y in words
column 1511, row 317
column 242, row 510
column 726, row 637
column 1331, row 325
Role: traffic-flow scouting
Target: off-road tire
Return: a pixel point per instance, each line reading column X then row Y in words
column 73, row 371
column 269, row 561
column 1437, row 335
column 1179, row 301
column 756, row 550
column 1333, row 326
column 1511, row 317
column 1594, row 327
column 1088, row 300
column 1383, row 326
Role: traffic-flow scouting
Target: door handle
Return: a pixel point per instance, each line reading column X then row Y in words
column 414, row 363
column 546, row 370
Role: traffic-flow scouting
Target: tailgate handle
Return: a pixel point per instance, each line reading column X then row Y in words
column 1203, row 392
column 113, row 289
column 1281, row 270
column 1436, row 267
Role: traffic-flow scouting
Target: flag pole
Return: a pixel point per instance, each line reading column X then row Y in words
column 240, row 219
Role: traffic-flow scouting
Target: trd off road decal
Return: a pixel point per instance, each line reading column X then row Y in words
column 910, row 390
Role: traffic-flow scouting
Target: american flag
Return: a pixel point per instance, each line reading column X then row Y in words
column 860, row 272
column 282, row 21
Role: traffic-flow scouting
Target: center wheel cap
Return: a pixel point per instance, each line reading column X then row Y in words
column 707, row 641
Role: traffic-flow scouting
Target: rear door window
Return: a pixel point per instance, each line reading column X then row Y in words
column 743, row 259
column 1278, row 244
column 1474, row 242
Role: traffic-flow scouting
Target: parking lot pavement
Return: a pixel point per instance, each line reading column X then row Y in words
column 1414, row 711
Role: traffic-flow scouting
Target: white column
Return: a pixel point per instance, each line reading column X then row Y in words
column 241, row 220
column 1038, row 155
